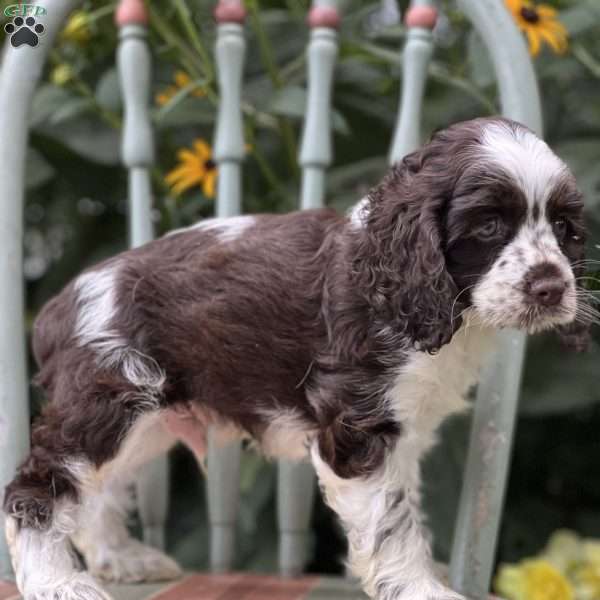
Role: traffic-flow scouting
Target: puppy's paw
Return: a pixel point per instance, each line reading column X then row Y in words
column 79, row 586
column 425, row 589
column 132, row 562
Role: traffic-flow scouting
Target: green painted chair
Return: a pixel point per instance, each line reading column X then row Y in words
column 495, row 409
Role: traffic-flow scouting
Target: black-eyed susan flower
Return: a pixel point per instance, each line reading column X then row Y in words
column 180, row 80
column 540, row 24
column 196, row 167
column 77, row 30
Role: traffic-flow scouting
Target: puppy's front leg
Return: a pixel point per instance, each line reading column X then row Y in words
column 388, row 543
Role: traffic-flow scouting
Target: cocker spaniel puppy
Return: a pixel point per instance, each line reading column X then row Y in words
column 345, row 338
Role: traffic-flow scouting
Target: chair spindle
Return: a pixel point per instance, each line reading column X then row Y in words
column 224, row 461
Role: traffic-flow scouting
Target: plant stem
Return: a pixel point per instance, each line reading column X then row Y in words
column 262, row 162
column 186, row 21
column 285, row 128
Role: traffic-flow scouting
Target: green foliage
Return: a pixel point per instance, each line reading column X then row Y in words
column 76, row 196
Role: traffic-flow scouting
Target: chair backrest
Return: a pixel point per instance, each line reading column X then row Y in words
column 487, row 463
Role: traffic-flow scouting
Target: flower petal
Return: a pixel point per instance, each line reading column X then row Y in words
column 514, row 5
column 555, row 41
column 546, row 11
column 202, row 149
column 208, row 184
column 181, row 78
column 177, row 173
column 533, row 35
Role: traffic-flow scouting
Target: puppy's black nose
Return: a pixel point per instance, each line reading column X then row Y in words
column 545, row 285
column 547, row 292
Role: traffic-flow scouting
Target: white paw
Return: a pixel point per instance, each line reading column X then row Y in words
column 132, row 562
column 427, row 589
column 79, row 586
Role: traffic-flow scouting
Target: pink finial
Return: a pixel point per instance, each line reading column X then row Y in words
column 131, row 12
column 421, row 16
column 230, row 11
column 324, row 16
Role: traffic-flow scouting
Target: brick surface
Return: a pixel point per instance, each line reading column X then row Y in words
column 8, row 590
column 238, row 586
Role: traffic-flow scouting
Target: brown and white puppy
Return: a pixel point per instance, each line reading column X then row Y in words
column 347, row 338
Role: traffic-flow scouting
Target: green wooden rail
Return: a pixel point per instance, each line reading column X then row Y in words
column 495, row 409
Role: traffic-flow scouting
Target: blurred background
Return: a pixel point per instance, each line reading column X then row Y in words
column 76, row 215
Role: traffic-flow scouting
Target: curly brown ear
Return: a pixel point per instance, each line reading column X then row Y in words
column 400, row 260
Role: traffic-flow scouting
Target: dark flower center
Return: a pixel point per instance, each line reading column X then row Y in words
column 210, row 164
column 530, row 14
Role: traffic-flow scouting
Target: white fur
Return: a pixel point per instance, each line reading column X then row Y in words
column 227, row 229
column 359, row 213
column 44, row 564
column 287, row 435
column 499, row 299
column 524, row 157
column 389, row 547
column 96, row 309
column 110, row 553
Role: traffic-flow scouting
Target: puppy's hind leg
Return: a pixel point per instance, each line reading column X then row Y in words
column 43, row 507
column 103, row 538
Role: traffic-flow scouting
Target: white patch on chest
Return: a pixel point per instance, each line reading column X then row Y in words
column 429, row 388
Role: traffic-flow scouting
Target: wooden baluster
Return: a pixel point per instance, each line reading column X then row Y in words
column 315, row 152
column 486, row 472
column 224, row 462
column 20, row 75
column 296, row 482
column 135, row 74
column 420, row 20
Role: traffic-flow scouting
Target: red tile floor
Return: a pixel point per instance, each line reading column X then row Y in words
column 235, row 586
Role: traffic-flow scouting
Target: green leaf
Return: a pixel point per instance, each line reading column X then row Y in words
column 108, row 91
column 290, row 101
column 47, row 101
column 184, row 110
column 38, row 170
column 583, row 157
column 88, row 137
column 581, row 17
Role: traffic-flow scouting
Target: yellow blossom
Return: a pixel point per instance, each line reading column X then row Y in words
column 77, row 29
column 540, row 24
column 181, row 80
column 533, row 579
column 586, row 581
column 61, row 74
column 196, row 168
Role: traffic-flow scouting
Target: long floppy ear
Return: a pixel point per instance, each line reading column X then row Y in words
column 400, row 263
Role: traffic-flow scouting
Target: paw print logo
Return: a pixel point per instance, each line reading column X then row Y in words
column 24, row 31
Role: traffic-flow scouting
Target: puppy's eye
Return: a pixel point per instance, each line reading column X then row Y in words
column 559, row 227
column 490, row 229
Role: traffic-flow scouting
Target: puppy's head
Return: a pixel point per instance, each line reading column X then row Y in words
column 485, row 216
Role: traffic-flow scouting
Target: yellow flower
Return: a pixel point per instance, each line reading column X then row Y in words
column 533, row 579
column 181, row 80
column 196, row 167
column 61, row 74
column 77, row 29
column 586, row 580
column 540, row 24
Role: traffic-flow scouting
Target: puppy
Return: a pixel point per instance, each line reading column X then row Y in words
column 347, row 338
